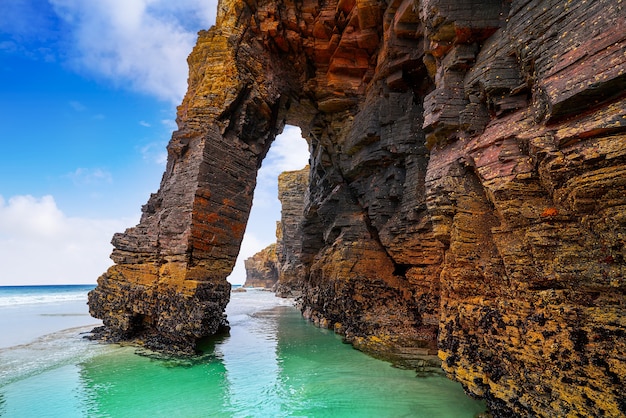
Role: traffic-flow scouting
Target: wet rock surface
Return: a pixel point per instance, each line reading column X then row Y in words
column 466, row 195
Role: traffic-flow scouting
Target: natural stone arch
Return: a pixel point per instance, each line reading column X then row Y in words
column 168, row 285
column 496, row 89
column 259, row 67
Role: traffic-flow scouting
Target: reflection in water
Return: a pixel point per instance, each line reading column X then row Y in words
column 115, row 384
column 249, row 356
column 322, row 377
column 272, row 364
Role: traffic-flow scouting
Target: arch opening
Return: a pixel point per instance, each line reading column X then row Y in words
column 288, row 152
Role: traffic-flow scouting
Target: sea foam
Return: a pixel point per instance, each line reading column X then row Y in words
column 32, row 295
column 46, row 353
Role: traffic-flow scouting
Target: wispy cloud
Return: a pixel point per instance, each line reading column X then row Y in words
column 89, row 176
column 28, row 21
column 8, row 46
column 40, row 244
column 155, row 152
column 144, row 43
column 77, row 106
column 169, row 123
column 144, row 124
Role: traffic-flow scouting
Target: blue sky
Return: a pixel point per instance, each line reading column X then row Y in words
column 88, row 91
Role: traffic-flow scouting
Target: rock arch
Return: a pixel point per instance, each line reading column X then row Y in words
column 168, row 285
column 425, row 120
column 262, row 66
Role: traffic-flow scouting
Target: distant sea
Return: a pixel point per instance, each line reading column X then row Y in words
column 272, row 364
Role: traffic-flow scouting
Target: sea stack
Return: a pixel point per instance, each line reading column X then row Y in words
column 466, row 195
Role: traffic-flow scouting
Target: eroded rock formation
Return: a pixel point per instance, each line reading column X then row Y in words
column 467, row 188
column 280, row 265
column 262, row 268
column 292, row 193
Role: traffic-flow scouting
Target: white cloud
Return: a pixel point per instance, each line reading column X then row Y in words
column 39, row 244
column 288, row 152
column 18, row 216
column 141, row 42
column 144, row 124
column 169, row 123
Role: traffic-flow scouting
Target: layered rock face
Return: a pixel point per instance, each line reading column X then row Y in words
column 292, row 193
column 262, row 268
column 279, row 266
column 526, row 188
column 168, row 286
column 466, row 194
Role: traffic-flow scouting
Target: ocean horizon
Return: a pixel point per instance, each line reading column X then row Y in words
column 272, row 363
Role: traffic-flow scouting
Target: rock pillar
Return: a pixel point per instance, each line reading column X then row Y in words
column 168, row 286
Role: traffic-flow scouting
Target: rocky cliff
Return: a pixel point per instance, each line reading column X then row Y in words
column 467, row 189
column 262, row 268
column 292, row 191
column 279, row 266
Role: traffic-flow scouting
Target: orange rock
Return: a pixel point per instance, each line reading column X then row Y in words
column 549, row 212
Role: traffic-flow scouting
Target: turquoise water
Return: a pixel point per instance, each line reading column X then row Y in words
column 272, row 364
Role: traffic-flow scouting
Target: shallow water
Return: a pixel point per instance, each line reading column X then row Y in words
column 272, row 364
column 29, row 312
